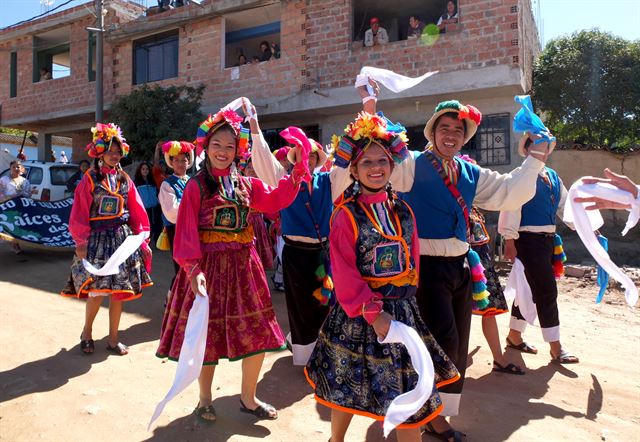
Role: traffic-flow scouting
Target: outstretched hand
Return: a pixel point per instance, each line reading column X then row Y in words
column 622, row 182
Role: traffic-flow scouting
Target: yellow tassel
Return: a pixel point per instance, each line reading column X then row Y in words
column 163, row 241
column 557, row 250
column 480, row 296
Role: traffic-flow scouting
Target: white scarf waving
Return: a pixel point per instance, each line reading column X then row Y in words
column 389, row 79
column 586, row 221
column 407, row 404
column 191, row 354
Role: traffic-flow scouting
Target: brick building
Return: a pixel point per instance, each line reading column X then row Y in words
column 485, row 59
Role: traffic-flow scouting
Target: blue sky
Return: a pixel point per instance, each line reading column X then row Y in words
column 558, row 17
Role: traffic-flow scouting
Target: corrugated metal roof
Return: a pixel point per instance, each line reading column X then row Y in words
column 17, row 139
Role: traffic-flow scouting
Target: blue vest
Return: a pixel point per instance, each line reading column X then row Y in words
column 438, row 214
column 296, row 220
column 541, row 209
column 178, row 186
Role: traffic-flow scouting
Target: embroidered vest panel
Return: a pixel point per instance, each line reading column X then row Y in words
column 109, row 207
column 381, row 257
column 296, row 220
column 178, row 186
column 541, row 209
column 220, row 214
column 438, row 214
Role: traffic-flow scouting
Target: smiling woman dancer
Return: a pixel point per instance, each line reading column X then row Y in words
column 374, row 251
column 216, row 252
column 106, row 209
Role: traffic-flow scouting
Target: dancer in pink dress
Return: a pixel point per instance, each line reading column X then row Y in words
column 215, row 249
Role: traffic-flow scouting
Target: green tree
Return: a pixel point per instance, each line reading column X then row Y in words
column 588, row 86
column 150, row 114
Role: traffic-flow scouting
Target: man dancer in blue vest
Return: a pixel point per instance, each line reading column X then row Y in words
column 441, row 189
column 305, row 230
column 530, row 233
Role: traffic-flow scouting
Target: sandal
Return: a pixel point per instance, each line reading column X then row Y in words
column 87, row 346
column 523, row 347
column 120, row 349
column 202, row 412
column 509, row 368
column 450, row 435
column 262, row 411
column 564, row 358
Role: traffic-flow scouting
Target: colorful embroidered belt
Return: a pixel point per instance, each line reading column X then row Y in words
column 244, row 236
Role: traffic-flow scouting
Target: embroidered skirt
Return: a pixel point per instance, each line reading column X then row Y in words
column 242, row 321
column 350, row 371
column 497, row 302
column 123, row 286
column 263, row 242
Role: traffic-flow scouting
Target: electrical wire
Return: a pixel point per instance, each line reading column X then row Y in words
column 38, row 16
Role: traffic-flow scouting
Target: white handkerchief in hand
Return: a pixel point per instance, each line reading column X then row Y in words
column 407, row 404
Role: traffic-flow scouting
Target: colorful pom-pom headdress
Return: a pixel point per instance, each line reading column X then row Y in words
column 103, row 136
column 174, row 148
column 467, row 113
column 366, row 130
column 214, row 122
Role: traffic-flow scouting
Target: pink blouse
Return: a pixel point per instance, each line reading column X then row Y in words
column 187, row 251
column 352, row 291
column 79, row 225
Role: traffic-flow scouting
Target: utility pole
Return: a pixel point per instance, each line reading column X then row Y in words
column 99, row 59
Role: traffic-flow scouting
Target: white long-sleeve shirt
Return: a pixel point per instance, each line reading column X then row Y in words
column 269, row 169
column 495, row 191
column 509, row 220
column 169, row 201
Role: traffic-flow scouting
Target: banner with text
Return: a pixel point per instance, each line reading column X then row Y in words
column 40, row 223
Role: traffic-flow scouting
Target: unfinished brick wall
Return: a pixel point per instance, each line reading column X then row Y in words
column 200, row 61
column 486, row 35
column 38, row 99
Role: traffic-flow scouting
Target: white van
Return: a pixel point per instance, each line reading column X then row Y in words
column 48, row 180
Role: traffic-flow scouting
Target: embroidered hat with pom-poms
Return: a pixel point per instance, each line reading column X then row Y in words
column 365, row 130
column 224, row 117
column 466, row 112
column 172, row 148
column 103, row 136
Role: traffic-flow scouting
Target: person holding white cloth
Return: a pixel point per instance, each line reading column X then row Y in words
column 453, row 186
column 530, row 233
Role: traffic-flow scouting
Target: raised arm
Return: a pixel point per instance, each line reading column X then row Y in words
column 265, row 198
column 267, row 167
column 508, row 191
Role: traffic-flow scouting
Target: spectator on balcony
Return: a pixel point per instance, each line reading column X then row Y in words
column 45, row 74
column 449, row 17
column 415, row 27
column 255, row 59
column 268, row 50
column 376, row 35
column 242, row 60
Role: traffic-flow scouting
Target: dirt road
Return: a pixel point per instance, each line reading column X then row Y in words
column 50, row 392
